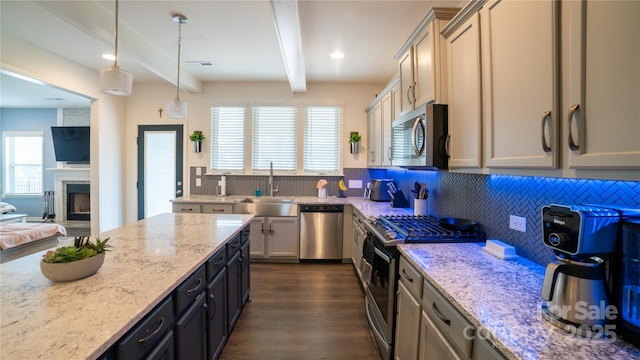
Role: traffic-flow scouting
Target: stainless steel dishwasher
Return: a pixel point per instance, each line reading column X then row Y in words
column 321, row 232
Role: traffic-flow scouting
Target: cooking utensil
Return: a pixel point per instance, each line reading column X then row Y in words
column 458, row 224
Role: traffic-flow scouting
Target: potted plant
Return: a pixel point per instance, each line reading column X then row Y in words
column 196, row 138
column 75, row 262
column 354, row 139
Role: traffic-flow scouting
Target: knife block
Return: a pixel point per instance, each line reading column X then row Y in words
column 399, row 201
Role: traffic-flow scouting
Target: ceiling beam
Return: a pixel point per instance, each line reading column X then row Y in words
column 287, row 21
column 98, row 22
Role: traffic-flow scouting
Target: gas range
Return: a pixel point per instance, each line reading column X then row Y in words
column 402, row 229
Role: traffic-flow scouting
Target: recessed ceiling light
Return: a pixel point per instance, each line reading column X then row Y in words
column 337, row 55
column 110, row 57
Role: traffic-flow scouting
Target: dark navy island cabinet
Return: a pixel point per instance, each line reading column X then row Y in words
column 195, row 321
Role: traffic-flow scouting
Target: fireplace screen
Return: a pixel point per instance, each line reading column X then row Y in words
column 78, row 202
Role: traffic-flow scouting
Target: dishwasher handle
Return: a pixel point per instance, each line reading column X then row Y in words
column 322, row 208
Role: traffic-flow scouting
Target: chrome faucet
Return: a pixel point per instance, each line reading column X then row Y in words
column 271, row 189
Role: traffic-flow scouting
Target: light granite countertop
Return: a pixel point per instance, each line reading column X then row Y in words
column 42, row 319
column 502, row 299
column 364, row 205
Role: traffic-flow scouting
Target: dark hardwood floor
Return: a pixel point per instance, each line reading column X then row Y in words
column 303, row 311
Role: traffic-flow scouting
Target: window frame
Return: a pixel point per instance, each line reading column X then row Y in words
column 5, row 164
column 248, row 139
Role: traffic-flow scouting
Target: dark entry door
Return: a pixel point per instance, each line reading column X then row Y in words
column 160, row 178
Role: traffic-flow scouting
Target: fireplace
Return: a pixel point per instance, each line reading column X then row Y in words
column 78, row 202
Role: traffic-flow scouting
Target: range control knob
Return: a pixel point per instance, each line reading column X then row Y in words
column 556, row 239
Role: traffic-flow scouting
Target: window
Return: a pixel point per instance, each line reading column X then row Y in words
column 296, row 138
column 227, row 138
column 322, row 139
column 23, row 162
column 275, row 134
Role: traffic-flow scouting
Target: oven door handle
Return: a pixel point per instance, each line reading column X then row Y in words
column 371, row 324
column 383, row 255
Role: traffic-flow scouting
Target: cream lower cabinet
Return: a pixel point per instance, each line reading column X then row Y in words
column 274, row 237
column 429, row 327
column 464, row 143
column 602, row 111
column 407, row 324
column 520, row 83
column 433, row 344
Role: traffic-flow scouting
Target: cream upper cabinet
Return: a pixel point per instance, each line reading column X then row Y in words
column 464, row 144
column 520, row 83
column 602, row 112
column 387, row 119
column 423, row 62
column 374, row 129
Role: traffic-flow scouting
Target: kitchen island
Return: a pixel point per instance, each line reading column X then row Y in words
column 82, row 319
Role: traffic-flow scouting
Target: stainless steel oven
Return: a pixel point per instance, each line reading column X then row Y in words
column 380, row 269
column 379, row 265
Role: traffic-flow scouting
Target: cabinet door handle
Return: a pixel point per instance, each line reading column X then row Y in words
column 389, row 153
column 142, row 342
column 262, row 228
column 545, row 145
column 404, row 275
column 572, row 111
column 270, row 229
column 213, row 297
column 413, row 91
column 191, row 291
column 447, row 143
column 408, row 98
column 439, row 315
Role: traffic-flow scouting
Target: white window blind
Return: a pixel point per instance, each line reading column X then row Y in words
column 227, row 137
column 23, row 162
column 322, row 139
column 275, row 134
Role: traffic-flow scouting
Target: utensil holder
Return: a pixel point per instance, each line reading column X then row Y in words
column 420, row 207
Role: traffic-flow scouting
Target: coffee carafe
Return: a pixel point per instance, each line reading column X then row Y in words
column 575, row 286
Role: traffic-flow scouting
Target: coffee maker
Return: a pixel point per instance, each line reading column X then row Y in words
column 576, row 289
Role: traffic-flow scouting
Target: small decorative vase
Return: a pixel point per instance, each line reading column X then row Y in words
column 72, row 270
column 196, row 146
column 355, row 147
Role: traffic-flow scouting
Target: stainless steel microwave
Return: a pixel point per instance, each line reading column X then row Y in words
column 419, row 138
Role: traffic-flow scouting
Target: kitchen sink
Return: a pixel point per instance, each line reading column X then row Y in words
column 267, row 207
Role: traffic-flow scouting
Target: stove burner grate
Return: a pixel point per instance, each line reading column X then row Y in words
column 427, row 228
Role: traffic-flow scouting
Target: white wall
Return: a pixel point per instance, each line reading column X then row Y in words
column 107, row 119
column 143, row 105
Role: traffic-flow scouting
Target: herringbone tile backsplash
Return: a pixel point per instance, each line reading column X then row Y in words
column 488, row 199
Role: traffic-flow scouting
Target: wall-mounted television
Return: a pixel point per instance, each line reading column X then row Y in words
column 72, row 143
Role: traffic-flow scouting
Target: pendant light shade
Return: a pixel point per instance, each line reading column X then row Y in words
column 116, row 81
column 113, row 80
column 177, row 108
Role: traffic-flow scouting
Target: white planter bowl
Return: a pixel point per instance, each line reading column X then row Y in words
column 72, row 271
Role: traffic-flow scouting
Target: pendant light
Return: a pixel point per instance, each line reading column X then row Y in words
column 113, row 80
column 178, row 108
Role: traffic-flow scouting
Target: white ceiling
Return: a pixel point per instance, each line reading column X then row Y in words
column 237, row 37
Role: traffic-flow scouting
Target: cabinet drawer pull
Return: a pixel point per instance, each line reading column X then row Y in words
column 572, row 111
column 219, row 261
column 217, row 210
column 404, row 275
column 545, row 145
column 183, row 209
column 142, row 342
column 191, row 291
column 235, row 244
column 439, row 315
